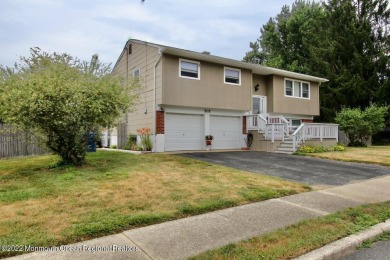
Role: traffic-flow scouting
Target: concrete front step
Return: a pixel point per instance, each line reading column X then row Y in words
column 283, row 152
column 286, row 149
column 286, row 145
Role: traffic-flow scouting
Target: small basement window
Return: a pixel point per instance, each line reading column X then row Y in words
column 296, row 122
column 189, row 69
column 232, row 76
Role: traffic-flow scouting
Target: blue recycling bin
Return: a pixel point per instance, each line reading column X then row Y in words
column 91, row 144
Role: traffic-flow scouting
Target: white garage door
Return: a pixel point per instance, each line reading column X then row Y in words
column 226, row 131
column 184, row 132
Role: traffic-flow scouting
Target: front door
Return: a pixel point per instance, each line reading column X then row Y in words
column 259, row 106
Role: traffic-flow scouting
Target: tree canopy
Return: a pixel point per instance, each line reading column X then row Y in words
column 61, row 99
column 346, row 41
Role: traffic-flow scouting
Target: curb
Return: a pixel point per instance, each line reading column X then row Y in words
column 346, row 245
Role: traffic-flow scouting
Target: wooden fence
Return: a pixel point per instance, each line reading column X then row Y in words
column 13, row 144
column 344, row 140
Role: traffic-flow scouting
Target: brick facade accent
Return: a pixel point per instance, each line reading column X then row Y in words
column 244, row 125
column 307, row 121
column 160, row 127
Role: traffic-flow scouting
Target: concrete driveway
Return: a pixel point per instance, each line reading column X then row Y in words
column 312, row 171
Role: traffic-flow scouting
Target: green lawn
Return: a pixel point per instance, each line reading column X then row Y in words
column 305, row 236
column 41, row 205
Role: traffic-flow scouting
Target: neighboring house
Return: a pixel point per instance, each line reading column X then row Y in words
column 187, row 95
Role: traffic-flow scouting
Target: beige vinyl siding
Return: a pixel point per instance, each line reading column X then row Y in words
column 292, row 105
column 209, row 91
column 159, row 78
column 270, row 94
column 143, row 57
column 120, row 68
column 262, row 81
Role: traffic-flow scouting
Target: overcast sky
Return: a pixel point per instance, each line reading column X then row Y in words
column 84, row 27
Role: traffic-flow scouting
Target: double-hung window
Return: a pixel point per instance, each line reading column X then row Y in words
column 305, row 90
column 294, row 88
column 232, row 76
column 189, row 69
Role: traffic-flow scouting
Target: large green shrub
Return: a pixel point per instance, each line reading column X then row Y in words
column 360, row 125
column 62, row 99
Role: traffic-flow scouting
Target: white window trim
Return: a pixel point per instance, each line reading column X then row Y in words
column 139, row 72
column 294, row 80
column 191, row 61
column 224, row 76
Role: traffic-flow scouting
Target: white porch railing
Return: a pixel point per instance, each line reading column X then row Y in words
column 314, row 131
column 271, row 131
column 256, row 122
column 280, row 120
column 275, row 132
column 274, row 119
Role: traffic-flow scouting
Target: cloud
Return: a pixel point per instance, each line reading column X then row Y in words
column 82, row 28
column 129, row 11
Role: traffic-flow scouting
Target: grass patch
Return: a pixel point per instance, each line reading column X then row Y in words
column 373, row 155
column 382, row 237
column 43, row 205
column 305, row 236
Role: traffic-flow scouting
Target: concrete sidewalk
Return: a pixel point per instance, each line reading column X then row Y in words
column 186, row 237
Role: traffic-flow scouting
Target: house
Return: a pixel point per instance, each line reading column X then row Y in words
column 187, row 95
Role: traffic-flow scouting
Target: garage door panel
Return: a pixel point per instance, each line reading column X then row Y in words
column 184, row 132
column 226, row 131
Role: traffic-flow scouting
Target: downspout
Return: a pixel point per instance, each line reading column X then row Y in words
column 145, row 79
column 319, row 100
column 123, row 142
column 155, row 98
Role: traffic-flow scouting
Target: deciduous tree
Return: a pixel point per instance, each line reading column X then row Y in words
column 361, row 125
column 61, row 99
column 346, row 41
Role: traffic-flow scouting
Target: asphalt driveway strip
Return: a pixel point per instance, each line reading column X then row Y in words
column 312, row 171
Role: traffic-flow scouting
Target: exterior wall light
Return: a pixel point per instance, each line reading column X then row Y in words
column 257, row 87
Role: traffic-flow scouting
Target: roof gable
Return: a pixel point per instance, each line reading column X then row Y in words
column 255, row 68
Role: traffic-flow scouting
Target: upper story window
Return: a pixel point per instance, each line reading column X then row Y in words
column 189, row 69
column 294, row 88
column 136, row 73
column 232, row 76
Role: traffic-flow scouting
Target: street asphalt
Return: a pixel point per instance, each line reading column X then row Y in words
column 378, row 251
column 302, row 169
